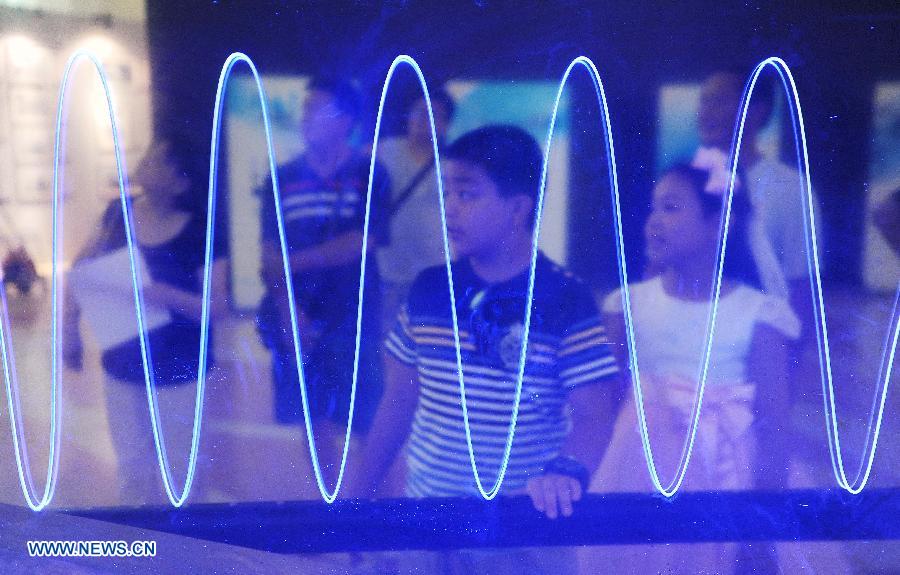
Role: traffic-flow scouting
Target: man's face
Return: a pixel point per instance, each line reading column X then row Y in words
column 479, row 220
column 720, row 99
column 323, row 123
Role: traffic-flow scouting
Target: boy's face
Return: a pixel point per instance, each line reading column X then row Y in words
column 480, row 221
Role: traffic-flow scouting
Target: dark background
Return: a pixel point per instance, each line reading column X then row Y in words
column 837, row 53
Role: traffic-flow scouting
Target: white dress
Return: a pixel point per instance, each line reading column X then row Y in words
column 670, row 338
column 671, row 332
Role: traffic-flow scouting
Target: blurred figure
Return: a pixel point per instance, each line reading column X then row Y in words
column 887, row 220
column 323, row 198
column 570, row 377
column 19, row 270
column 416, row 239
column 20, row 278
column 170, row 234
column 776, row 234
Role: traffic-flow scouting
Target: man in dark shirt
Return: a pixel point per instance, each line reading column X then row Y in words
column 323, row 201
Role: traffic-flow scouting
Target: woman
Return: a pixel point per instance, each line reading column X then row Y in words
column 171, row 238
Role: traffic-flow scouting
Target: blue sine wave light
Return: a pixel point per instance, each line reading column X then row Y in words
column 38, row 500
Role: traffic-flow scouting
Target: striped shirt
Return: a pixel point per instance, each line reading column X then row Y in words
column 567, row 347
column 316, row 210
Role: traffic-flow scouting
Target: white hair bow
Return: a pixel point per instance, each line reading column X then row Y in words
column 716, row 162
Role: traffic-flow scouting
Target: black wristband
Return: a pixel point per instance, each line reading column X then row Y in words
column 570, row 467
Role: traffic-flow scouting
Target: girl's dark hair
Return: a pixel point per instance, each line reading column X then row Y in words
column 739, row 262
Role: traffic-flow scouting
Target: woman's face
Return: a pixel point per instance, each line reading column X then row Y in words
column 677, row 228
column 419, row 128
column 158, row 173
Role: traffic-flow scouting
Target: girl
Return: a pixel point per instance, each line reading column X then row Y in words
column 170, row 234
column 746, row 395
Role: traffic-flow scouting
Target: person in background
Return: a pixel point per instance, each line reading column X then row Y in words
column 19, row 270
column 772, row 186
column 492, row 177
column 416, row 238
column 323, row 199
column 20, row 278
column 170, row 234
column 887, row 220
column 776, row 232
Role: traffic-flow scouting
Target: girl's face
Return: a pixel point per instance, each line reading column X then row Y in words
column 677, row 228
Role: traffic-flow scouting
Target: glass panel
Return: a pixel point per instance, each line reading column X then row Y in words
column 724, row 413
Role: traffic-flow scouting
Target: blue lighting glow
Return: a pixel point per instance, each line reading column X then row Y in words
column 37, row 501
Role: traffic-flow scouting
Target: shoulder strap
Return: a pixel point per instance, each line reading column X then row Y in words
column 410, row 188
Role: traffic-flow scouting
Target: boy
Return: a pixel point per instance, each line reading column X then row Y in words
column 491, row 178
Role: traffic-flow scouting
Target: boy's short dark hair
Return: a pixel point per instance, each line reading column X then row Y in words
column 765, row 93
column 346, row 96
column 508, row 154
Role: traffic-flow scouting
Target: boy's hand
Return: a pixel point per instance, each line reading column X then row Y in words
column 553, row 494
